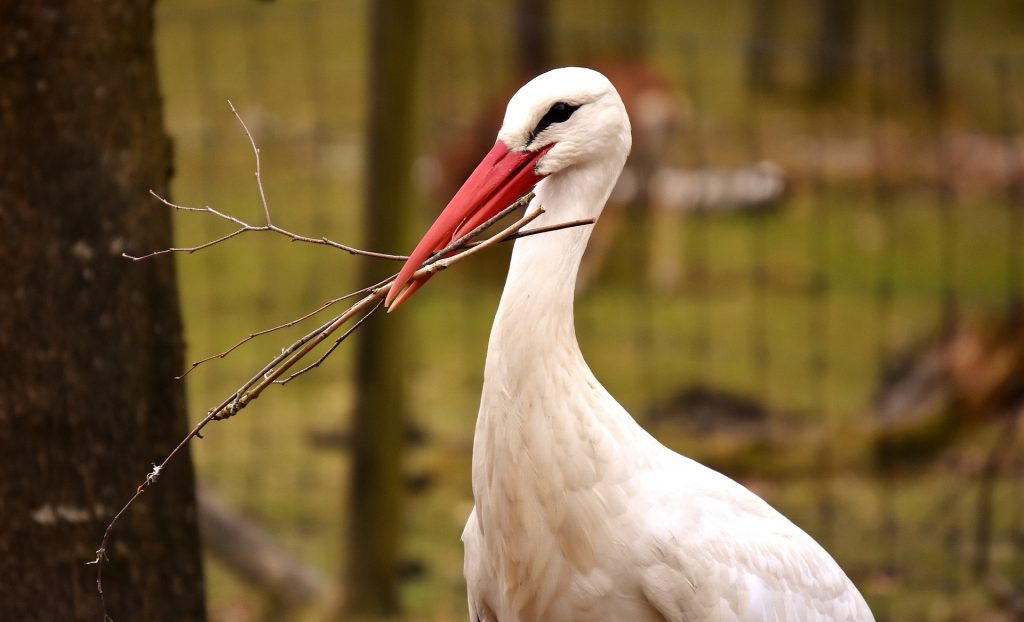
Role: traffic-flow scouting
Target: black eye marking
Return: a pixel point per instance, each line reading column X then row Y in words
column 558, row 113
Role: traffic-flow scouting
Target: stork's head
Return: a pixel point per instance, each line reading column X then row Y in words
column 570, row 115
column 563, row 118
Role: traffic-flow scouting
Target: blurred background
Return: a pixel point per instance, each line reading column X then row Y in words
column 810, row 276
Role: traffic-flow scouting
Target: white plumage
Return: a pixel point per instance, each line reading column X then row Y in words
column 579, row 513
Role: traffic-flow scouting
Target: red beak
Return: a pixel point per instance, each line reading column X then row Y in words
column 501, row 177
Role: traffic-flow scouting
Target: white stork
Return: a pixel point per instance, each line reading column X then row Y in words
column 579, row 513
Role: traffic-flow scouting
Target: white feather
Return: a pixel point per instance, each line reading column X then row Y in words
column 579, row 513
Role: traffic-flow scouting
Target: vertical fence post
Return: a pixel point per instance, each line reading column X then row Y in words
column 1015, row 258
column 203, row 384
column 532, row 44
column 758, row 277
column 307, row 479
column 946, row 213
column 379, row 422
column 835, row 47
column 697, row 244
column 882, row 191
column 1015, row 219
column 761, row 47
column 264, row 301
column 818, row 359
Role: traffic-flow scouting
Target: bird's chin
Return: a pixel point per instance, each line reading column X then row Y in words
column 552, row 162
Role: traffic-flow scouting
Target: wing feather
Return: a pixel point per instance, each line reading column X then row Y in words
column 732, row 557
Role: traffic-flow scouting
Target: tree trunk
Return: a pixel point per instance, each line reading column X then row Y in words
column 91, row 342
column 379, row 431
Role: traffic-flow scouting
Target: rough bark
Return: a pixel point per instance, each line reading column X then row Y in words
column 378, row 436
column 91, row 342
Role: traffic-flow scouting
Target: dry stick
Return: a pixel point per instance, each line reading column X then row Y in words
column 334, row 301
column 300, row 348
column 243, row 396
column 264, row 331
column 256, row 153
column 294, row 353
column 545, row 229
column 462, row 242
column 337, row 342
column 244, row 227
column 515, row 236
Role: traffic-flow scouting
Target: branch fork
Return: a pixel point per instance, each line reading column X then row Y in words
column 372, row 298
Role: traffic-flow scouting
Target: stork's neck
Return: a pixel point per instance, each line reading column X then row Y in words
column 537, row 387
column 535, row 316
column 549, row 439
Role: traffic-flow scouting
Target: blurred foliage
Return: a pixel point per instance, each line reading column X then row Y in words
column 296, row 70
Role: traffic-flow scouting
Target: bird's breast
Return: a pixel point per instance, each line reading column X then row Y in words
column 553, row 481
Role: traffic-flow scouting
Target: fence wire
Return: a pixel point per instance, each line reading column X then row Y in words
column 766, row 345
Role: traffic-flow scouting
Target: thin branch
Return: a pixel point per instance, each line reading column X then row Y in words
column 191, row 249
column 545, row 229
column 322, row 241
column 513, row 232
column 329, row 303
column 265, row 331
column 244, row 227
column 205, row 210
column 337, row 342
column 442, row 263
column 289, row 324
column 271, row 373
column 294, row 353
column 462, row 242
column 256, row 154
column 291, row 355
column 269, row 226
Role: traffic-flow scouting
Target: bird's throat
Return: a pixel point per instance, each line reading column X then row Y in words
column 549, row 438
column 541, row 403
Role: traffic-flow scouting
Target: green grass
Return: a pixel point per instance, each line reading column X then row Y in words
column 296, row 71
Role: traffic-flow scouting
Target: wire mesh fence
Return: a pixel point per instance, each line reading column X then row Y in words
column 821, row 298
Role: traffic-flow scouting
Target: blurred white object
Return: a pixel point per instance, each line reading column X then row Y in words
column 750, row 188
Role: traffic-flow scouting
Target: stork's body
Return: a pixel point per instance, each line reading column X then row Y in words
column 579, row 513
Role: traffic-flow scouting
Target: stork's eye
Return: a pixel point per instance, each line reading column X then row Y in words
column 558, row 113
